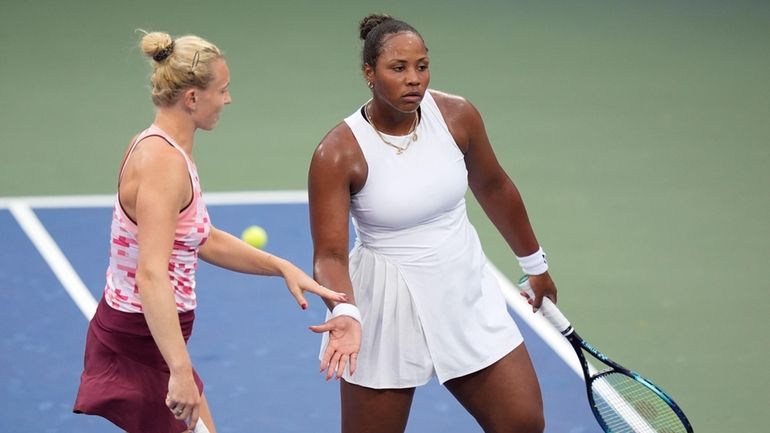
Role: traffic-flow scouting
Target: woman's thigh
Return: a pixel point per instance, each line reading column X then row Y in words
column 504, row 397
column 368, row 410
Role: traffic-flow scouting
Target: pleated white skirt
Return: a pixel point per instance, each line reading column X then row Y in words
column 423, row 320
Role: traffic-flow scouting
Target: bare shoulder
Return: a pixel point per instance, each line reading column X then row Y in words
column 159, row 171
column 339, row 146
column 154, row 152
column 453, row 105
column 338, row 162
column 461, row 117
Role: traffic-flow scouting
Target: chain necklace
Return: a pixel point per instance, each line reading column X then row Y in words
column 399, row 149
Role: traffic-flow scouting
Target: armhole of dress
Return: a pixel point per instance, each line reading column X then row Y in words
column 362, row 121
column 442, row 119
column 134, row 142
column 138, row 139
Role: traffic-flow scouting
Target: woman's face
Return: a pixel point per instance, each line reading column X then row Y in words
column 211, row 100
column 401, row 76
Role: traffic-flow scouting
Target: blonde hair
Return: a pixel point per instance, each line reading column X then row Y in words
column 178, row 64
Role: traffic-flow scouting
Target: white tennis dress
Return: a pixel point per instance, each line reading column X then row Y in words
column 428, row 299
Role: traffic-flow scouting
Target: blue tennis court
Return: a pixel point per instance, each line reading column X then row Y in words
column 251, row 344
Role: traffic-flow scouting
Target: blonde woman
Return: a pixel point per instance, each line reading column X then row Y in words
column 137, row 370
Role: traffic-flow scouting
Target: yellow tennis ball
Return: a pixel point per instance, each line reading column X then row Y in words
column 255, row 236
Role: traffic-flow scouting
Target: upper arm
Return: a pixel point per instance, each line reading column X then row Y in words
column 337, row 170
column 162, row 188
column 467, row 127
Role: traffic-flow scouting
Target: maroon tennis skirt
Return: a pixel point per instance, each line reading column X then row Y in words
column 125, row 378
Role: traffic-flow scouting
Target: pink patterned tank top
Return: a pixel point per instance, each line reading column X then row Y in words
column 192, row 230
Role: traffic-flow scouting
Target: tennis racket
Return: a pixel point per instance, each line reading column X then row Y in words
column 622, row 401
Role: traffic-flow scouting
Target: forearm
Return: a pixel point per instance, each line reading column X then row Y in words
column 227, row 251
column 160, row 312
column 331, row 270
column 504, row 206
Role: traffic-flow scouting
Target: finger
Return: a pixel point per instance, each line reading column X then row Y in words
column 328, row 293
column 537, row 303
column 173, row 406
column 178, row 411
column 302, row 301
column 297, row 293
column 186, row 413
column 341, row 366
column 326, row 360
column 333, row 365
column 321, row 328
column 193, row 420
column 353, row 358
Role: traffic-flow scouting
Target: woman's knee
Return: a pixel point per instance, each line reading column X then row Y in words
column 529, row 423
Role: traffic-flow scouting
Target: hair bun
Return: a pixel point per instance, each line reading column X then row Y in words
column 157, row 45
column 164, row 53
column 370, row 22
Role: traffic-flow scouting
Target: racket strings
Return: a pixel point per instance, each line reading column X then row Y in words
column 626, row 405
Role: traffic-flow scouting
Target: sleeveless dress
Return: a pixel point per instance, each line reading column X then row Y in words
column 429, row 301
column 125, row 378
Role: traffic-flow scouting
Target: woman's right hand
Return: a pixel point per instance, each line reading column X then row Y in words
column 183, row 398
column 344, row 344
column 298, row 282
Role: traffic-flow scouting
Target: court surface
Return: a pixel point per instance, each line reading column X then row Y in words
column 251, row 344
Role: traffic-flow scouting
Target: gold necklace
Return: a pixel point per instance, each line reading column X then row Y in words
column 399, row 149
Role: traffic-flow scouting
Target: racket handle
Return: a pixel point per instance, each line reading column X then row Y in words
column 200, row 427
column 549, row 310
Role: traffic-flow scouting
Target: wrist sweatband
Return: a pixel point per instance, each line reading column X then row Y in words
column 345, row 309
column 535, row 263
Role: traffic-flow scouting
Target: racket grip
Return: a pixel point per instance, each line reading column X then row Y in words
column 200, row 427
column 549, row 310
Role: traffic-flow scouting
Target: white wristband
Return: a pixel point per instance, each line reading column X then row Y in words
column 535, row 263
column 345, row 309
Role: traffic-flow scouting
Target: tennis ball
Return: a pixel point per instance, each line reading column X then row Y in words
column 255, row 236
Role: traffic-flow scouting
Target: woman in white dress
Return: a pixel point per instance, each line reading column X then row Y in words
column 423, row 300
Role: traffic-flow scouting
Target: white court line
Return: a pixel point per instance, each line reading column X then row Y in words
column 21, row 208
column 564, row 350
column 629, row 414
column 107, row 200
column 50, row 251
column 538, row 323
column 544, row 329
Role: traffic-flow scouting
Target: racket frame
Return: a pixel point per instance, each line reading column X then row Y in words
column 579, row 345
column 553, row 315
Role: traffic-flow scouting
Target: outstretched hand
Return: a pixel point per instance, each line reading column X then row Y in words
column 344, row 344
column 543, row 286
column 299, row 282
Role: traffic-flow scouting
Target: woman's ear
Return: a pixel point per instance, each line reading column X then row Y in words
column 190, row 99
column 369, row 75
